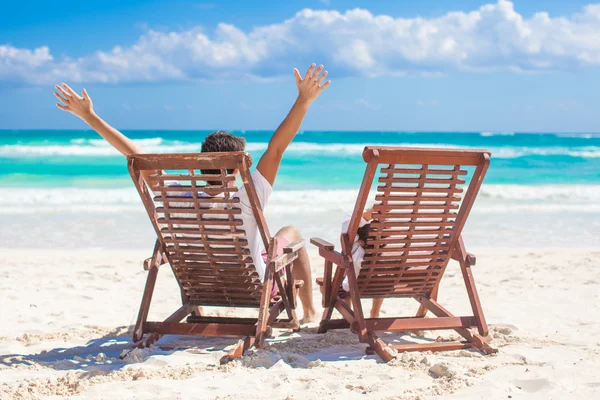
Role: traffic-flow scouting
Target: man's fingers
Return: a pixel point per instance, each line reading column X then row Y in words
column 322, row 77
column 85, row 94
column 317, row 72
column 323, row 86
column 71, row 91
column 64, row 108
column 58, row 96
column 296, row 75
column 309, row 71
column 62, row 91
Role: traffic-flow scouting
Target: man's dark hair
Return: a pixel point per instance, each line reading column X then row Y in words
column 221, row 141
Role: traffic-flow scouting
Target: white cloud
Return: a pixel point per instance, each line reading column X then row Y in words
column 355, row 42
column 366, row 104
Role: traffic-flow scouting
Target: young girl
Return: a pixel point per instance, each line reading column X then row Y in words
column 358, row 252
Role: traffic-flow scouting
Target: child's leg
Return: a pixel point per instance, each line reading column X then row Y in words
column 376, row 307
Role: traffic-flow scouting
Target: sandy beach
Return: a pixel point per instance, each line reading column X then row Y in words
column 66, row 317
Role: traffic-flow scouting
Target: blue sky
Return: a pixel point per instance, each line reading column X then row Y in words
column 394, row 65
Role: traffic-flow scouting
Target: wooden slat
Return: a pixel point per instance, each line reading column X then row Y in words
column 224, row 330
column 193, row 178
column 404, row 189
column 416, row 156
column 204, row 221
column 381, row 264
column 390, row 208
column 442, row 346
column 205, row 231
column 194, row 210
column 412, row 215
column 191, row 285
column 417, row 324
column 188, row 161
column 188, row 188
column 213, row 258
column 199, row 200
column 392, row 272
column 213, row 241
column 395, row 240
column 398, row 179
column 398, row 224
column 413, row 196
column 410, row 248
column 419, row 171
column 389, row 233
column 210, row 250
column 374, row 257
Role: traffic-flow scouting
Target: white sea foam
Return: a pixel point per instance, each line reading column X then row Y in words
column 492, row 198
column 93, row 147
column 98, row 147
column 488, row 134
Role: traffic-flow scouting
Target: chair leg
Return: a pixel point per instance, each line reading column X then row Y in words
column 477, row 340
column 285, row 296
column 238, row 350
column 422, row 312
column 377, row 345
column 328, row 310
column 263, row 312
column 359, row 318
column 474, row 298
column 197, row 311
column 138, row 331
column 177, row 316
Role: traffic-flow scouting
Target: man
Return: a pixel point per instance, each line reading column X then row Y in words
column 264, row 176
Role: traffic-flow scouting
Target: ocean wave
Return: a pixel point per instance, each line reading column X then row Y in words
column 492, row 198
column 99, row 147
column 488, row 134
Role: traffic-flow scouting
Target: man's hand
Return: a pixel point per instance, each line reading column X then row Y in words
column 312, row 85
column 71, row 101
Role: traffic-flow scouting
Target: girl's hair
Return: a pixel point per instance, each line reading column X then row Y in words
column 363, row 233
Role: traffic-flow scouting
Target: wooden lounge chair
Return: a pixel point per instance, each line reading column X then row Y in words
column 416, row 229
column 205, row 249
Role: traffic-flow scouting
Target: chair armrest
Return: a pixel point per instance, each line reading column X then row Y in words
column 322, row 244
column 469, row 258
column 282, row 260
column 326, row 250
column 158, row 258
column 294, row 247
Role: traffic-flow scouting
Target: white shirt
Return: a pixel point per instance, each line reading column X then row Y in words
column 255, row 244
column 358, row 253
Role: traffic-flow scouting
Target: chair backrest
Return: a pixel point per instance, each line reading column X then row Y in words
column 201, row 234
column 419, row 212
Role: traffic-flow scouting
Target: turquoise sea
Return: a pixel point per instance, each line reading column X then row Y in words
column 83, row 159
column 538, row 187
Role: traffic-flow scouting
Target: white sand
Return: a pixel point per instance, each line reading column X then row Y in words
column 64, row 318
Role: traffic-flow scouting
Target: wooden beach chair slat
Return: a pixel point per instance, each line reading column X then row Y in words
column 202, row 239
column 424, row 197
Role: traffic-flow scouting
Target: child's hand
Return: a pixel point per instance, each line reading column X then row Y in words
column 310, row 87
column 368, row 214
column 72, row 102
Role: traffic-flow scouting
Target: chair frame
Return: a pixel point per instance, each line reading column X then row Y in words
column 353, row 317
column 279, row 271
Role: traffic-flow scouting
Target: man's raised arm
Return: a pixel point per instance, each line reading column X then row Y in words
column 83, row 108
column 309, row 89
